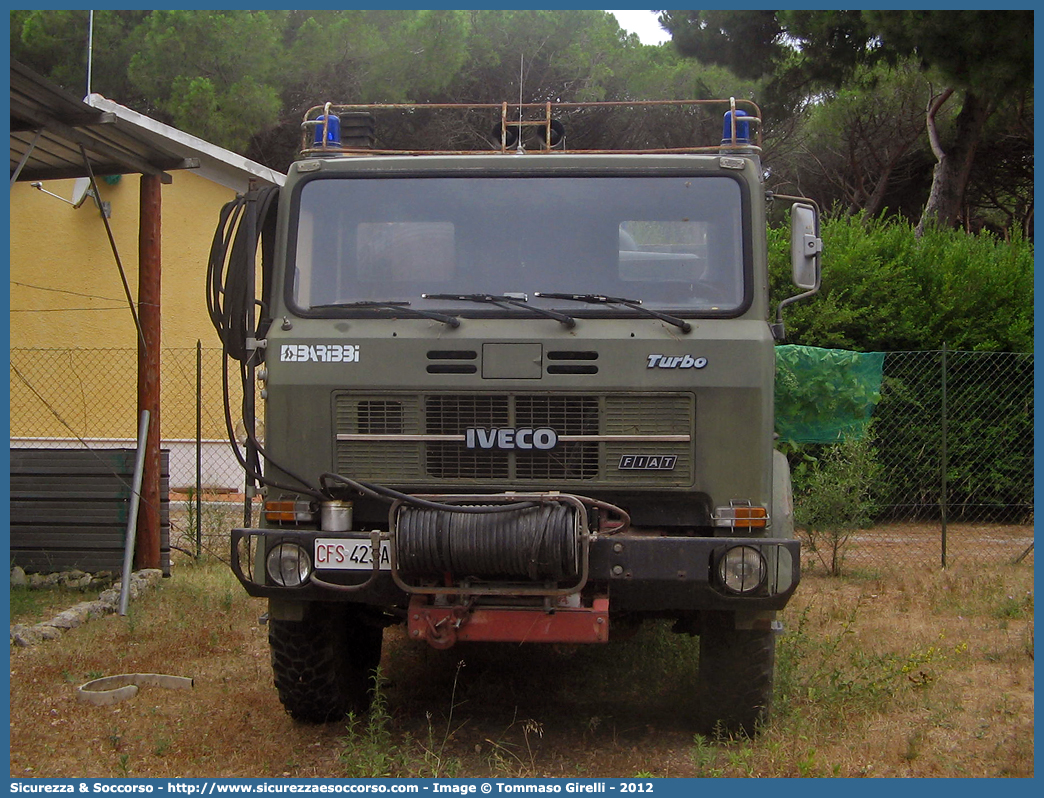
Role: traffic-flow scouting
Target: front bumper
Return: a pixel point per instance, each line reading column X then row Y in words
column 640, row 572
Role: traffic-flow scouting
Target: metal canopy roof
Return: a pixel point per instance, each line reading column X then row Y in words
column 49, row 127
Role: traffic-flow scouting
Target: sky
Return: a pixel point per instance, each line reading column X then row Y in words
column 644, row 24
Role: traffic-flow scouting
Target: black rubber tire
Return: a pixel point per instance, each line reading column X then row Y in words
column 735, row 678
column 323, row 665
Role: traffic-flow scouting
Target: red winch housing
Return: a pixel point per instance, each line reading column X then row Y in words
column 442, row 626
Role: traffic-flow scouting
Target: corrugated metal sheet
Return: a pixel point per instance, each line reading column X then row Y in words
column 49, row 126
column 69, row 509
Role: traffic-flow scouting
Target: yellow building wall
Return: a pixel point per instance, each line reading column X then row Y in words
column 57, row 248
column 73, row 341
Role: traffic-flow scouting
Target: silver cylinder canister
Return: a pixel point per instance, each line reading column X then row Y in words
column 335, row 516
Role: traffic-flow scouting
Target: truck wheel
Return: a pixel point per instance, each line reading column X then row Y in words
column 734, row 682
column 323, row 665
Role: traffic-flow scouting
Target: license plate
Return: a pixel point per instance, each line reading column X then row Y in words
column 349, row 554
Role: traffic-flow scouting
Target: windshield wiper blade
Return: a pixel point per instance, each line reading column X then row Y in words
column 452, row 321
column 634, row 304
column 501, row 301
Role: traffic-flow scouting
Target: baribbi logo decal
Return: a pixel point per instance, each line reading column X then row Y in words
column 319, row 353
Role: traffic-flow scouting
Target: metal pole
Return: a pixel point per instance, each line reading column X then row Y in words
column 24, row 158
column 90, row 49
column 199, row 448
column 143, row 220
column 943, row 457
column 1022, row 556
column 132, row 517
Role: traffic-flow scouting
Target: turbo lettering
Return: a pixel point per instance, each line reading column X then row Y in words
column 676, row 362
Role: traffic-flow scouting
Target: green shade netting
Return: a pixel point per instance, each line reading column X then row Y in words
column 825, row 395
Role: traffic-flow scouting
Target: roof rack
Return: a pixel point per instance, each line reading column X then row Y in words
column 331, row 129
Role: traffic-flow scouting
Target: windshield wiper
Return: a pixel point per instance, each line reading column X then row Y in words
column 634, row 304
column 502, row 301
column 452, row 321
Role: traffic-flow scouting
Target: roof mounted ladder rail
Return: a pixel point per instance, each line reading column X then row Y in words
column 321, row 121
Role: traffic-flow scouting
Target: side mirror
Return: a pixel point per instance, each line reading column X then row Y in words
column 805, row 246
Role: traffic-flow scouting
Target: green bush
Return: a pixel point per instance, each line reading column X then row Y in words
column 885, row 290
column 835, row 498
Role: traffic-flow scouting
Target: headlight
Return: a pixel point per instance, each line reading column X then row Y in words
column 742, row 569
column 288, row 565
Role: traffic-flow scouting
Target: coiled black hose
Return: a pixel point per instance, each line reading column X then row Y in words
column 535, row 543
column 245, row 223
column 242, row 224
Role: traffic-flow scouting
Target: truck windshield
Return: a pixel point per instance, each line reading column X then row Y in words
column 673, row 243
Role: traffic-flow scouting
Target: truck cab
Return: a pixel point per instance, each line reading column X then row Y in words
column 515, row 395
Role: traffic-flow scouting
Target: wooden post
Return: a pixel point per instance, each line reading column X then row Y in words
column 147, row 552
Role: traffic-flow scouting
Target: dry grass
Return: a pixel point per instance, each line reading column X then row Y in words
column 892, row 673
column 32, row 605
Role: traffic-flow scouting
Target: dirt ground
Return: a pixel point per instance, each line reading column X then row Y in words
column 923, row 544
column 909, row 671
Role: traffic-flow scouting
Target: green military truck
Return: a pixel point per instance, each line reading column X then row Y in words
column 519, row 394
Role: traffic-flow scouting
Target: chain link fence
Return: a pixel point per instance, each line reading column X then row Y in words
column 954, row 438
column 87, row 398
column 950, row 469
column 953, row 433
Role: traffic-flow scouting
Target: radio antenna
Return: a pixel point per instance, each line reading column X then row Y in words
column 90, row 48
column 521, row 72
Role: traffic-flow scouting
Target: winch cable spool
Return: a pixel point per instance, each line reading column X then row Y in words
column 244, row 222
column 539, row 543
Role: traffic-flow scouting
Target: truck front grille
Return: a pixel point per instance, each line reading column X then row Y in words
column 379, row 417
column 567, row 415
column 419, row 439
